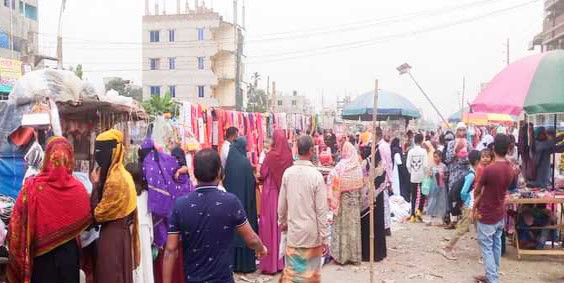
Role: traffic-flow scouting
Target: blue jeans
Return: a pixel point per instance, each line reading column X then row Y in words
column 490, row 241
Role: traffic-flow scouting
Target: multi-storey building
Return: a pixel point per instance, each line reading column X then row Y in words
column 296, row 104
column 18, row 40
column 552, row 35
column 193, row 55
column 18, row 28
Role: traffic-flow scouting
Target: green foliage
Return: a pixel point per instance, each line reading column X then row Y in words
column 123, row 88
column 78, row 71
column 159, row 105
column 257, row 101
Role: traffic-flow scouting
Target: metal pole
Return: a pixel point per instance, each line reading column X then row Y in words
column 371, row 180
column 462, row 104
column 428, row 99
column 507, row 52
column 60, row 37
column 554, row 155
column 11, row 7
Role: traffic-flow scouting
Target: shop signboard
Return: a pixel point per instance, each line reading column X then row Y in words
column 10, row 72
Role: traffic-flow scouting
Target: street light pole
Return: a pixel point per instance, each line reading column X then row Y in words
column 406, row 69
column 60, row 37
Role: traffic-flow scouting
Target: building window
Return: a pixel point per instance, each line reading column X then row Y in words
column 279, row 102
column 171, row 35
column 155, row 90
column 201, row 91
column 154, row 63
column 7, row 3
column 200, row 34
column 201, row 63
column 154, row 35
column 172, row 90
column 172, row 63
column 294, row 103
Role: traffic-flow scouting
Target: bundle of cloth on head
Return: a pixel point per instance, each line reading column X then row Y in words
column 486, row 141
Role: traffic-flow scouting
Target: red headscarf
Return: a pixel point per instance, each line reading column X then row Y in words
column 52, row 209
column 279, row 158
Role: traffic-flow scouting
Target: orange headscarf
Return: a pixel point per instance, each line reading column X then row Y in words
column 42, row 220
column 119, row 198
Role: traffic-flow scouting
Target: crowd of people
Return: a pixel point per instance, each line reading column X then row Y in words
column 147, row 222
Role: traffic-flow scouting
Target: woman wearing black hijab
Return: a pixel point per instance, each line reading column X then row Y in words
column 400, row 174
column 380, row 250
column 240, row 181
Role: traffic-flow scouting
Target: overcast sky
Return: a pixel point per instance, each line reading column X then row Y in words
column 325, row 46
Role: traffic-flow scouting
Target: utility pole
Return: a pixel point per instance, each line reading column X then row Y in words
column 238, row 94
column 60, row 37
column 268, row 92
column 274, row 101
column 507, row 51
column 11, row 28
column 322, row 99
column 462, row 102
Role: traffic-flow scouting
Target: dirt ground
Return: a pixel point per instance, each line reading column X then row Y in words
column 413, row 257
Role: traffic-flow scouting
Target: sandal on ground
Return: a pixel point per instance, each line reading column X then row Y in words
column 447, row 255
column 480, row 279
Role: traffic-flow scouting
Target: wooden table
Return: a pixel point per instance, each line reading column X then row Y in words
column 555, row 203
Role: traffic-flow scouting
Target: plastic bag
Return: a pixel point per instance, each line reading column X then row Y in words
column 282, row 247
column 426, row 185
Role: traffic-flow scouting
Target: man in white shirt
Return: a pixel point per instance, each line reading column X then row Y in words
column 230, row 135
column 302, row 214
column 416, row 161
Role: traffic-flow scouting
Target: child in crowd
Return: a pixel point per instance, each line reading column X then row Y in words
column 416, row 163
column 437, row 207
column 461, row 143
column 486, row 157
column 265, row 150
column 467, row 197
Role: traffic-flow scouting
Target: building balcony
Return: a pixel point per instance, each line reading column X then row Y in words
column 553, row 33
column 227, row 74
column 225, row 46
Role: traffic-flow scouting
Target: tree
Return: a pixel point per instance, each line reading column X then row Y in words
column 78, row 71
column 257, row 101
column 158, row 105
column 117, row 84
column 255, row 78
column 124, row 88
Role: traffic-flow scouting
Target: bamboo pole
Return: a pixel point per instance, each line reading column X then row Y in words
column 371, row 180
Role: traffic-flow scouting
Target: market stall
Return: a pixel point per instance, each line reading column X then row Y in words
column 54, row 102
column 536, row 222
column 481, row 119
column 532, row 85
column 391, row 106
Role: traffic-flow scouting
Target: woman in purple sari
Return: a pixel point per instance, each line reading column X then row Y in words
column 159, row 171
column 277, row 160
